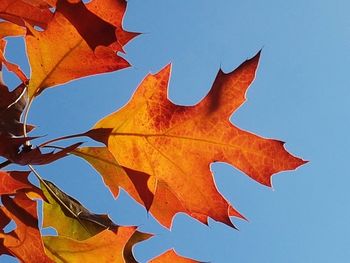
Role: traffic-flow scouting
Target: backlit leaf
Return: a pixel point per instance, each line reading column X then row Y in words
column 11, row 182
column 18, row 11
column 69, row 217
column 107, row 246
column 68, row 49
column 24, row 242
column 175, row 144
column 115, row 176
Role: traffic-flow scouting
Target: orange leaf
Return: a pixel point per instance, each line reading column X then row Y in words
column 63, row 51
column 171, row 256
column 115, row 176
column 175, row 144
column 107, row 246
column 10, row 29
column 25, row 241
column 18, row 11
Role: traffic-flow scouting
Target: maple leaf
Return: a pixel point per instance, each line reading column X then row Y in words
column 69, row 217
column 175, row 144
column 171, row 256
column 25, row 241
column 69, row 49
column 107, row 246
column 18, row 11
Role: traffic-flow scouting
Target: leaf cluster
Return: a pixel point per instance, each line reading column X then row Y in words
column 157, row 151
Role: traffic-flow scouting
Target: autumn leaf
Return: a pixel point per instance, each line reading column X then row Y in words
column 175, row 144
column 10, row 29
column 12, row 105
column 171, row 256
column 69, row 49
column 18, row 11
column 25, row 241
column 107, row 246
column 13, row 181
column 69, row 217
column 10, row 66
column 36, row 157
column 114, row 175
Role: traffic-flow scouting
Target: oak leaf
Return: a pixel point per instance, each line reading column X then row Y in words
column 13, row 181
column 69, row 217
column 19, row 11
column 175, row 144
column 68, row 50
column 114, row 175
column 11, row 107
column 107, row 246
column 24, row 242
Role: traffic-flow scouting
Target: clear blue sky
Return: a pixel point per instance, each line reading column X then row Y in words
column 300, row 95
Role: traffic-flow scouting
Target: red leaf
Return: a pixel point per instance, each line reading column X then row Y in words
column 25, row 241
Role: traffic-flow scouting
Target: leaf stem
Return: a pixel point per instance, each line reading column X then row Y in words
column 63, row 138
column 37, row 174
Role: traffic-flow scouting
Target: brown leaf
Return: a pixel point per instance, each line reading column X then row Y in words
column 36, row 157
column 12, row 105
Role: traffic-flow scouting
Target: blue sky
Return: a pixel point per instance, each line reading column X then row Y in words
column 300, row 95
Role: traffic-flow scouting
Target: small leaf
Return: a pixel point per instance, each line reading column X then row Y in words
column 69, row 217
column 36, row 157
column 25, row 241
column 11, row 66
column 68, row 50
column 12, row 105
column 107, row 246
column 13, row 181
